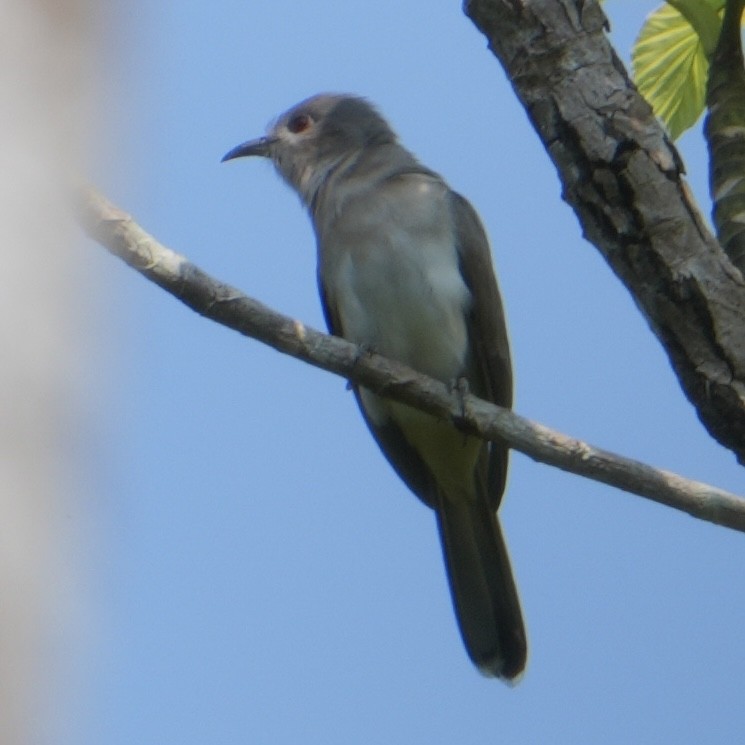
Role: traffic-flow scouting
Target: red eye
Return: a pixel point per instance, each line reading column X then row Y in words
column 299, row 123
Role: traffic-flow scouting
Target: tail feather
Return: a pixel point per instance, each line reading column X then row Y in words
column 482, row 587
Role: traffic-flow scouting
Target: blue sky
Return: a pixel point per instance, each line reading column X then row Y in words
column 258, row 572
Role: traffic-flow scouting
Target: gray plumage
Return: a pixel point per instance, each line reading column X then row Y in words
column 404, row 268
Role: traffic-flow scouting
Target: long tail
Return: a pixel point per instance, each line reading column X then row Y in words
column 482, row 587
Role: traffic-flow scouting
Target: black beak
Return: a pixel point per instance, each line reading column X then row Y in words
column 252, row 147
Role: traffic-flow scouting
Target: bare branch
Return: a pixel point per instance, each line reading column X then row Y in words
column 117, row 231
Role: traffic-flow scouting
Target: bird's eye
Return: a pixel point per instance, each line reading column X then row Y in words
column 299, row 123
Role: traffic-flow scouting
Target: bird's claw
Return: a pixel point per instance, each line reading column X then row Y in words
column 363, row 350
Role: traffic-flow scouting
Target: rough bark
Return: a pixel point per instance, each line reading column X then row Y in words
column 725, row 135
column 624, row 180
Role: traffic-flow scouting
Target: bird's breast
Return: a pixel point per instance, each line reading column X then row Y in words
column 390, row 266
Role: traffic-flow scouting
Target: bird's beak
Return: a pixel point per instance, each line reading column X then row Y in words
column 252, row 147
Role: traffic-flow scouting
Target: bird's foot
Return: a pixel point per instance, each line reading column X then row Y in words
column 460, row 387
column 363, row 350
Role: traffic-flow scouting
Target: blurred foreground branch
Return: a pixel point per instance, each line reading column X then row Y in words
column 52, row 54
column 226, row 305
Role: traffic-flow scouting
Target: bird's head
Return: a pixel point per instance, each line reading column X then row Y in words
column 308, row 141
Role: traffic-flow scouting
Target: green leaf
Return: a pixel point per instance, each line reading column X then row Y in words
column 671, row 67
column 705, row 18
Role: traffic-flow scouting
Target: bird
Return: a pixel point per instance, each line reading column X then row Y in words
column 404, row 269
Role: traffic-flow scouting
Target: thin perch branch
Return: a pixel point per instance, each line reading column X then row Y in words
column 219, row 302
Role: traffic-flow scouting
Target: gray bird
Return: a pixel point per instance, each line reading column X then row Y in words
column 404, row 268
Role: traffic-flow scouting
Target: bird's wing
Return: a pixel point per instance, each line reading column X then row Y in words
column 491, row 373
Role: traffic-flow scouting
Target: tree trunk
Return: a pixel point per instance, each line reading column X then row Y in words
column 624, row 180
